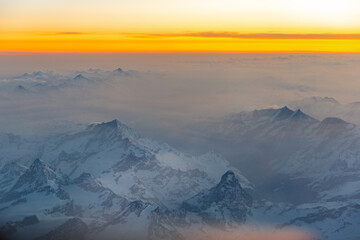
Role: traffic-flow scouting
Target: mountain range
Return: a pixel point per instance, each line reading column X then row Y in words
column 107, row 181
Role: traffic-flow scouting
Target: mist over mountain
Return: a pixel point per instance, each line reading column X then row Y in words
column 322, row 107
column 180, row 147
column 163, row 93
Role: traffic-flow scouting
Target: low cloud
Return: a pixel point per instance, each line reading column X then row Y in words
column 167, row 93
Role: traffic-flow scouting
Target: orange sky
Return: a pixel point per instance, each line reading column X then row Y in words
column 179, row 25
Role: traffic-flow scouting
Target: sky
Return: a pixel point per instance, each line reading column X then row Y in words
column 57, row 26
column 193, row 59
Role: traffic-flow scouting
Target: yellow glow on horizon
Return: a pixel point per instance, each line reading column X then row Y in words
column 181, row 44
column 112, row 25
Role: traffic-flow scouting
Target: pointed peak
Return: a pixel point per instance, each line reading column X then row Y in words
column 228, row 196
column 33, row 179
column 38, row 166
column 229, row 178
column 118, row 70
column 283, row 113
column 114, row 126
column 37, row 162
column 299, row 115
column 79, row 77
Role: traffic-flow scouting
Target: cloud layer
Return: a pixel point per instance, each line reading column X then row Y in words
column 167, row 92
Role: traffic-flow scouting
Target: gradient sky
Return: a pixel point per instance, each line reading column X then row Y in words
column 179, row 25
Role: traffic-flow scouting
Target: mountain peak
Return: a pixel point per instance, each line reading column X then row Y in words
column 333, row 120
column 37, row 164
column 116, row 127
column 227, row 202
column 20, row 89
column 298, row 115
column 283, row 113
column 118, row 70
column 39, row 172
column 79, row 77
column 229, row 179
column 34, row 179
column 335, row 124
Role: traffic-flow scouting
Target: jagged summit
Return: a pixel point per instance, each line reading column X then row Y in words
column 35, row 178
column 229, row 179
column 38, row 174
column 269, row 115
column 298, row 115
column 116, row 127
column 37, row 165
column 283, row 113
column 225, row 203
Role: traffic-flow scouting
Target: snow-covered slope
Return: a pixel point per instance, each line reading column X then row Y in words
column 105, row 174
column 107, row 181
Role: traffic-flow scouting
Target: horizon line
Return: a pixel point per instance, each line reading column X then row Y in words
column 13, row 53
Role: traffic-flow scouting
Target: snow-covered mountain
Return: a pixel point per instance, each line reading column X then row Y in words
column 284, row 151
column 105, row 173
column 107, row 181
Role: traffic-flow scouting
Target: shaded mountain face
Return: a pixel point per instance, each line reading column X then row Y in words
column 106, row 173
column 290, row 152
column 107, row 181
column 37, row 178
column 227, row 202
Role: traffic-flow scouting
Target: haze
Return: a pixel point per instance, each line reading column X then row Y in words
column 169, row 91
